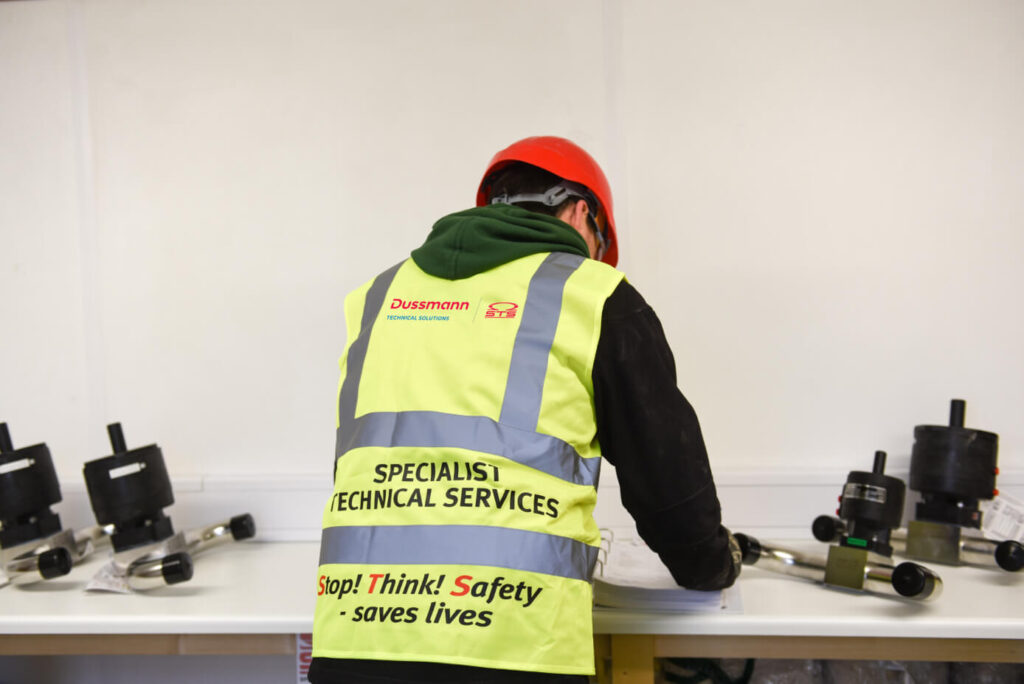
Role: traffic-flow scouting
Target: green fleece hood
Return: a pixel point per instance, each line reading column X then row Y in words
column 469, row 242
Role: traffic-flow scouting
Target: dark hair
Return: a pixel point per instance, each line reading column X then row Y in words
column 520, row 178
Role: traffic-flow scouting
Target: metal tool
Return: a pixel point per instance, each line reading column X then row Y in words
column 870, row 506
column 954, row 468
column 128, row 492
column 845, row 567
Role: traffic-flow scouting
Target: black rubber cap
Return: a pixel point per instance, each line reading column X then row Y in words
column 1010, row 555
column 54, row 563
column 177, row 568
column 243, row 527
column 826, row 528
column 749, row 547
column 913, row 580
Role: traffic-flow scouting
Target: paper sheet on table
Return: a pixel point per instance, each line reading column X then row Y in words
column 630, row 575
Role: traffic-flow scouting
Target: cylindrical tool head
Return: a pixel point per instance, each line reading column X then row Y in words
column 28, row 487
column 954, row 461
column 953, row 467
column 125, row 486
column 871, row 505
column 873, row 498
column 28, row 482
column 130, row 489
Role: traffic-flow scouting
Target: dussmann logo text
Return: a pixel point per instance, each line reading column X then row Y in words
column 398, row 303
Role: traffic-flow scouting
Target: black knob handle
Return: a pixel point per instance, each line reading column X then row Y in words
column 749, row 547
column 177, row 568
column 54, row 563
column 1010, row 555
column 913, row 580
column 243, row 527
column 827, row 528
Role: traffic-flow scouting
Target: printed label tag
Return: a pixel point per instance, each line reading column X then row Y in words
column 1003, row 518
column 109, row 578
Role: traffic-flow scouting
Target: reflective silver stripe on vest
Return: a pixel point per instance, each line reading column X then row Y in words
column 498, row 547
column 357, row 352
column 524, row 388
column 430, row 429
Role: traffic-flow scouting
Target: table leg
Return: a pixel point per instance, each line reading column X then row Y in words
column 632, row 659
column 602, row 659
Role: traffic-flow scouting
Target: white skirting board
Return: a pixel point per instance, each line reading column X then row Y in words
column 766, row 504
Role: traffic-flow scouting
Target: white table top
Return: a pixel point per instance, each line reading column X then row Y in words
column 245, row 588
column 270, row 588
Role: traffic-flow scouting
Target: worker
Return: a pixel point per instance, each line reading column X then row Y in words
column 483, row 380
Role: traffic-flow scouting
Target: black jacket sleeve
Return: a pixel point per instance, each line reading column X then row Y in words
column 650, row 433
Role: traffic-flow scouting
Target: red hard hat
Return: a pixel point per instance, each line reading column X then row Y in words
column 566, row 160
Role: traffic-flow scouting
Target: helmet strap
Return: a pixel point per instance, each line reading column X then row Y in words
column 554, row 196
column 551, row 197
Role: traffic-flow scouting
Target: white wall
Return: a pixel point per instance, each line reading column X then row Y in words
column 245, row 164
column 823, row 201
column 827, row 210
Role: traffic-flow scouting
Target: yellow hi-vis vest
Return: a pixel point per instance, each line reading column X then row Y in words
column 461, row 529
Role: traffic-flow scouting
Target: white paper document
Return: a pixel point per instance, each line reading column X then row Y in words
column 630, row 575
column 1003, row 518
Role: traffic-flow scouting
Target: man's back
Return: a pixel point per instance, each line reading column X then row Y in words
column 467, row 464
column 481, row 381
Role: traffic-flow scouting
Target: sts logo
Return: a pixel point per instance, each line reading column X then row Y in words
column 501, row 310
